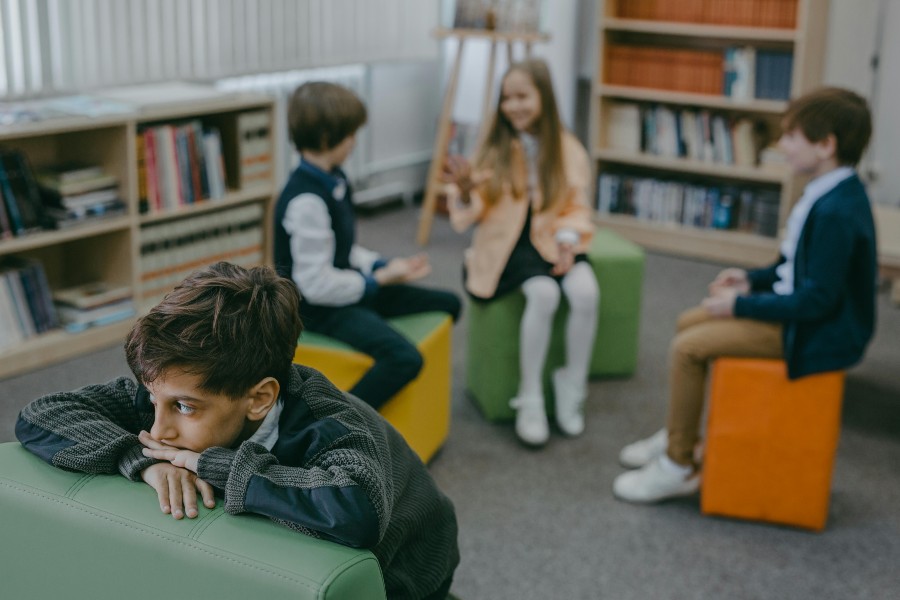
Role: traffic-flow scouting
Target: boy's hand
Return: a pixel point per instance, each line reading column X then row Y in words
column 187, row 459
column 565, row 261
column 401, row 270
column 722, row 303
column 177, row 489
column 735, row 279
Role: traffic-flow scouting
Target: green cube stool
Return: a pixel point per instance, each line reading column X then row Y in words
column 492, row 370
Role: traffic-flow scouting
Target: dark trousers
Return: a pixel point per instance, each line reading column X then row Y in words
column 364, row 327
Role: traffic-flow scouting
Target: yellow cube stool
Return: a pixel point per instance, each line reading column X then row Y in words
column 421, row 410
column 770, row 442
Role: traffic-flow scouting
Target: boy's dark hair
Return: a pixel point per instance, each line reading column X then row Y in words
column 833, row 111
column 230, row 325
column 321, row 115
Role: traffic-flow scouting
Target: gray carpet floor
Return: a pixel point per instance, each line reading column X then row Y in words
column 544, row 525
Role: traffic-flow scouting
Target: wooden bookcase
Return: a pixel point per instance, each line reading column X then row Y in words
column 704, row 27
column 110, row 249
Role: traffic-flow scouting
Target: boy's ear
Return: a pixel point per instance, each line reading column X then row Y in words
column 263, row 396
column 828, row 146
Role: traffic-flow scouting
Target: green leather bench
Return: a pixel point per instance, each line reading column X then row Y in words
column 97, row 537
column 492, row 367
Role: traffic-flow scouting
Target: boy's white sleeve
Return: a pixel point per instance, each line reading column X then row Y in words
column 364, row 259
column 308, row 224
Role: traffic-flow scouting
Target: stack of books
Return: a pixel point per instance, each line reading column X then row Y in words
column 75, row 193
column 93, row 304
column 26, row 309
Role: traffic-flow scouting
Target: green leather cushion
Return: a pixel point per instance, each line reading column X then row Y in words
column 414, row 327
column 492, row 360
column 73, row 536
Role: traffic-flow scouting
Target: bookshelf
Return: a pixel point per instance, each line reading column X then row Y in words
column 120, row 250
column 662, row 66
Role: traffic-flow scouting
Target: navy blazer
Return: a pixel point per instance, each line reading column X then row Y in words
column 829, row 319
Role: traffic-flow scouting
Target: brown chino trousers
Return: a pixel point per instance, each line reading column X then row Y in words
column 700, row 339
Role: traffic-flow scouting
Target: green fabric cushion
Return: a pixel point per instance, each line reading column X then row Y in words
column 492, row 361
column 76, row 536
column 414, row 327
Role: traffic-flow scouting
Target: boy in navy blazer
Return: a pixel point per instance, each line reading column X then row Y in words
column 814, row 307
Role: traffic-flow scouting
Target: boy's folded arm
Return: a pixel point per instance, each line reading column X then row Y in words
column 92, row 429
column 344, row 502
column 819, row 288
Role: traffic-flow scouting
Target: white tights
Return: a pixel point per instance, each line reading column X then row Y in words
column 541, row 301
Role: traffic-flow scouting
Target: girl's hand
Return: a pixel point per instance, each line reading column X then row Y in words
column 565, row 260
column 458, row 170
column 722, row 303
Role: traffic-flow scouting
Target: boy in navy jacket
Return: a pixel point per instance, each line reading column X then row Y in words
column 814, row 307
column 218, row 408
column 346, row 291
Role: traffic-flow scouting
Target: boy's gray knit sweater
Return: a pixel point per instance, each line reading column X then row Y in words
column 338, row 471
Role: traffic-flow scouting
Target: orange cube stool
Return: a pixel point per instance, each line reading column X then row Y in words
column 770, row 442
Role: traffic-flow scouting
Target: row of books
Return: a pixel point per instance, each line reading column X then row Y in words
column 753, row 210
column 26, row 305
column 256, row 167
column 757, row 73
column 747, row 13
column 738, row 72
column 695, row 134
column 93, row 304
column 675, row 69
column 171, row 251
column 21, row 207
column 179, row 164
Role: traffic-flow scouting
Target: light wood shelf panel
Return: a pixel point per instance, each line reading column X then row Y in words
column 734, row 247
column 694, row 167
column 624, row 92
column 59, row 345
column 698, row 30
column 43, row 239
column 232, row 198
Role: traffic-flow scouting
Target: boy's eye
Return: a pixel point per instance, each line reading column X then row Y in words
column 184, row 408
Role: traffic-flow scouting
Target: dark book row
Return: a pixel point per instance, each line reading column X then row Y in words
column 752, row 210
column 21, row 206
column 26, row 303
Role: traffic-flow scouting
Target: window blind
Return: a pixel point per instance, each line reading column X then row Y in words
column 51, row 47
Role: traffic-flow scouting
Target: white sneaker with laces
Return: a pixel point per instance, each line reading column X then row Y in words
column 569, row 404
column 531, row 420
column 660, row 479
column 642, row 452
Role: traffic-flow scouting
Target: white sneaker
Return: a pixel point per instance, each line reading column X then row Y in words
column 569, row 404
column 642, row 452
column 658, row 480
column 531, row 420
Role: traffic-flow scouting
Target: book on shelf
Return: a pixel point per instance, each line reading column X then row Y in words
column 79, row 186
column 20, row 194
column 254, row 130
column 92, row 294
column 78, row 319
column 27, row 297
column 739, row 72
column 171, row 251
column 774, row 70
column 624, row 127
column 64, row 218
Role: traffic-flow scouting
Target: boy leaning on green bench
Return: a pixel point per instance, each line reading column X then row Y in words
column 219, row 410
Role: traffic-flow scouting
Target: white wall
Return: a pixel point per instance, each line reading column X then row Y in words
column 560, row 53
